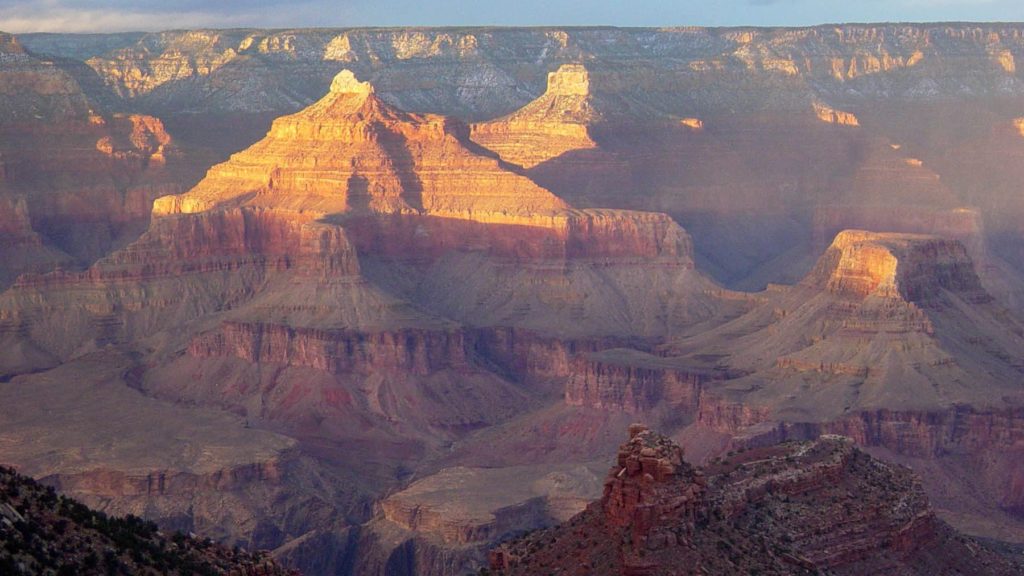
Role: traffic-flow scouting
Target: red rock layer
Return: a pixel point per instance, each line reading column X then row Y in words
column 600, row 382
column 822, row 506
column 415, row 351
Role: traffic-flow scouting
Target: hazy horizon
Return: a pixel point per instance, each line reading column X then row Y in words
column 91, row 16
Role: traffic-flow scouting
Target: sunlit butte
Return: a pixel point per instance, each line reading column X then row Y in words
column 450, row 288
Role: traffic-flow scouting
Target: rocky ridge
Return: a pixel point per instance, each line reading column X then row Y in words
column 361, row 316
column 80, row 182
column 43, row 532
column 790, row 509
column 890, row 340
column 172, row 70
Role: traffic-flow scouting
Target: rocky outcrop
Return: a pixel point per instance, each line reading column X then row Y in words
column 487, row 72
column 363, row 156
column 555, row 123
column 41, row 529
column 764, row 156
column 415, row 351
column 913, row 268
column 786, row 509
column 830, row 115
column 633, row 384
column 890, row 340
column 87, row 180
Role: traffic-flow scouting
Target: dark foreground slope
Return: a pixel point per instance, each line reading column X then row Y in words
column 797, row 508
column 43, row 533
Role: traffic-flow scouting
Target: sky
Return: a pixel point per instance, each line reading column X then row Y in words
column 148, row 15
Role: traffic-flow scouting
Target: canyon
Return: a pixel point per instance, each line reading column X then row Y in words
column 377, row 299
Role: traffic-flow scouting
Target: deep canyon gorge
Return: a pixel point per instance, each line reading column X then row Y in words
column 377, row 300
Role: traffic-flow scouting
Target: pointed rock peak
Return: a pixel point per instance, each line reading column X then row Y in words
column 569, row 80
column 347, row 83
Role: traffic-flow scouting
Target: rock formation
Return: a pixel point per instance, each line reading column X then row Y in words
column 361, row 155
column 551, row 125
column 363, row 277
column 765, row 154
column 890, row 339
column 790, row 509
column 78, row 182
column 417, row 298
column 44, row 531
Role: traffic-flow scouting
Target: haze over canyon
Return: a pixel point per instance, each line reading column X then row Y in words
column 380, row 300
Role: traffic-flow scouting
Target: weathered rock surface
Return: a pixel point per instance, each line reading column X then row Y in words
column 43, row 531
column 890, row 340
column 463, row 505
column 551, row 125
column 369, row 279
column 680, row 65
column 934, row 107
column 81, row 429
column 634, row 382
column 892, row 320
column 333, row 282
column 74, row 182
column 790, row 509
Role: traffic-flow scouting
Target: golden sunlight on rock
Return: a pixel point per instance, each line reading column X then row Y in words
column 694, row 123
column 1006, row 61
column 553, row 124
column 1018, row 124
column 833, row 116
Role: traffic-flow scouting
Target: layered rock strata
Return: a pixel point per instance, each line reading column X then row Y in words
column 81, row 181
column 556, row 122
column 791, row 509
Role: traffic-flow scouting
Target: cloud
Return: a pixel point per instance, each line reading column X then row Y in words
column 150, row 15
column 20, row 16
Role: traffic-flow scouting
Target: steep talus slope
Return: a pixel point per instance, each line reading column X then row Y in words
column 791, row 509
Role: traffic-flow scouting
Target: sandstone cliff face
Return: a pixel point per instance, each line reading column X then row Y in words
column 414, row 351
column 889, row 311
column 893, row 333
column 765, row 154
column 913, row 268
column 363, row 156
column 367, row 275
column 551, row 125
column 773, row 511
column 171, row 69
column 633, row 384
